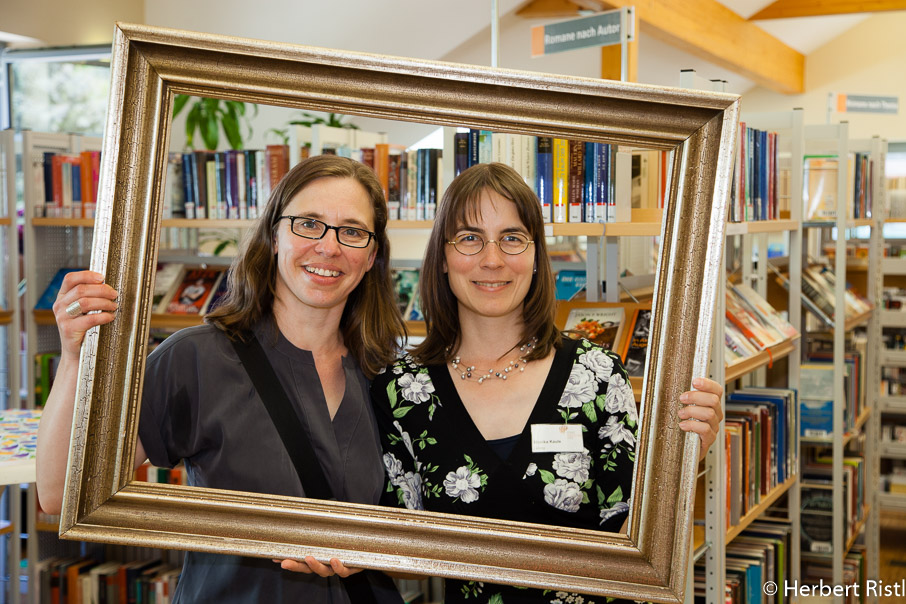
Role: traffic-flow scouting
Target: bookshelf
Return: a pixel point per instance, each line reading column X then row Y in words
column 745, row 238
column 833, row 140
column 10, row 355
column 891, row 404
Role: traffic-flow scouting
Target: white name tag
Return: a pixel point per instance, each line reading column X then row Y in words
column 557, row 438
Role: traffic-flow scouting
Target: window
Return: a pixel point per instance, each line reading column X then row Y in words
column 56, row 89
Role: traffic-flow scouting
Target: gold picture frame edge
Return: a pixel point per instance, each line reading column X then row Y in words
column 101, row 502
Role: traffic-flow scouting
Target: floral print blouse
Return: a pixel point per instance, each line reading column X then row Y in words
column 436, row 459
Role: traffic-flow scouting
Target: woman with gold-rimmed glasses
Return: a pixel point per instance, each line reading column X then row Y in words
column 312, row 287
column 496, row 413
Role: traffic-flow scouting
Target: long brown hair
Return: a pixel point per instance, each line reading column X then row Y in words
column 460, row 203
column 371, row 323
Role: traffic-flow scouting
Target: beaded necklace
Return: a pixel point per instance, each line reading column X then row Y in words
column 466, row 372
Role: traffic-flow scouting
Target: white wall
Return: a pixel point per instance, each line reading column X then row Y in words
column 869, row 59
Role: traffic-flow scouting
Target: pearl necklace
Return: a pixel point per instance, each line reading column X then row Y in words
column 466, row 372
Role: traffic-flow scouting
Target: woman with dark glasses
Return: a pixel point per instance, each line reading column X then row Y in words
column 308, row 319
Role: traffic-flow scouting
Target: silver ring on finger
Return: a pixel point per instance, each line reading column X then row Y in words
column 74, row 310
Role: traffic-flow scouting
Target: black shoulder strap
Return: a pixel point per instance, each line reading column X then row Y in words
column 285, row 419
column 359, row 587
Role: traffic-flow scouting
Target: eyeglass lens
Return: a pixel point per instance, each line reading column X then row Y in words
column 471, row 244
column 315, row 229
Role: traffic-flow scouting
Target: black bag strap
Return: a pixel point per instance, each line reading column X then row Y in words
column 285, row 419
column 314, row 482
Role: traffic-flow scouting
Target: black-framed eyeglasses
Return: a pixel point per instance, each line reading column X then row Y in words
column 310, row 228
column 471, row 244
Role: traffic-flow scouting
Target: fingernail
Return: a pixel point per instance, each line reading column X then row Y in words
column 684, row 396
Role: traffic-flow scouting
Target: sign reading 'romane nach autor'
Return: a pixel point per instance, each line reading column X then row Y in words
column 602, row 29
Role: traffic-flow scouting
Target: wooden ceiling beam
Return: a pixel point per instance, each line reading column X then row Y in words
column 787, row 9
column 711, row 31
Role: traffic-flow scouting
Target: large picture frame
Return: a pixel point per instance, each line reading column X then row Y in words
column 150, row 66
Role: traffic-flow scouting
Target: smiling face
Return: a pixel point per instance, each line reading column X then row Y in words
column 321, row 273
column 491, row 283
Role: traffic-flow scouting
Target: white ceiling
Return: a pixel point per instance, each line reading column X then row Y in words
column 660, row 63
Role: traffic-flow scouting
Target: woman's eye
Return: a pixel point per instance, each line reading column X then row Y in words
column 512, row 239
column 468, row 238
column 308, row 224
column 352, row 233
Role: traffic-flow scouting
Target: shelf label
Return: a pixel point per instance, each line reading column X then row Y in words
column 853, row 103
column 602, row 29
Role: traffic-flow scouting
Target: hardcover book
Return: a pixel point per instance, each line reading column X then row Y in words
column 637, row 343
column 601, row 325
column 192, row 293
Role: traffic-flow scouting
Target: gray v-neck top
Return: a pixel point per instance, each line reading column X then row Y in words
column 199, row 405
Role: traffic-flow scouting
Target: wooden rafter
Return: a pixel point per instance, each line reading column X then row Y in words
column 786, row 9
column 706, row 29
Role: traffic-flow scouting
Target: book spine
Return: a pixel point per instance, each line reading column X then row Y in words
column 485, row 146
column 591, row 182
column 602, row 181
column 382, row 167
column 251, row 182
column 473, row 147
column 412, row 191
column 560, row 181
column 422, row 186
column 544, row 175
column 576, row 187
column 211, row 185
column 460, row 152
column 231, row 182
column 242, row 185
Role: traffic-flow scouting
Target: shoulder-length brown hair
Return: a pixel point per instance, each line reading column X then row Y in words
column 371, row 325
column 461, row 202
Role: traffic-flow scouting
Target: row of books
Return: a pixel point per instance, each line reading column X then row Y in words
column 148, row 473
column 893, row 298
column 760, row 446
column 754, row 191
column 893, row 338
column 893, row 433
column 752, row 324
column 622, row 328
column 819, row 576
column 893, row 381
column 819, row 297
column 178, row 289
column 67, row 184
column 894, row 480
column 756, row 557
column 820, row 192
column 574, row 180
column 82, row 580
column 817, row 491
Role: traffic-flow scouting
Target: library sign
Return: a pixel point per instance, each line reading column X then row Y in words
column 602, row 29
column 853, row 103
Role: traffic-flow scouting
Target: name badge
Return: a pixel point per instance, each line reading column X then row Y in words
column 557, row 438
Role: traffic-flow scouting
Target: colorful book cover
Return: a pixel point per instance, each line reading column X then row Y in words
column 576, row 186
column 601, row 325
column 544, row 176
column 637, row 343
column 45, row 302
column 560, row 189
column 460, row 152
column 192, row 293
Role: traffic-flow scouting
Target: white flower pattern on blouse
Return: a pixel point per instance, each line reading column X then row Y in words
column 579, row 388
column 463, row 484
column 597, row 396
column 573, row 466
column 563, row 495
column 417, row 388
